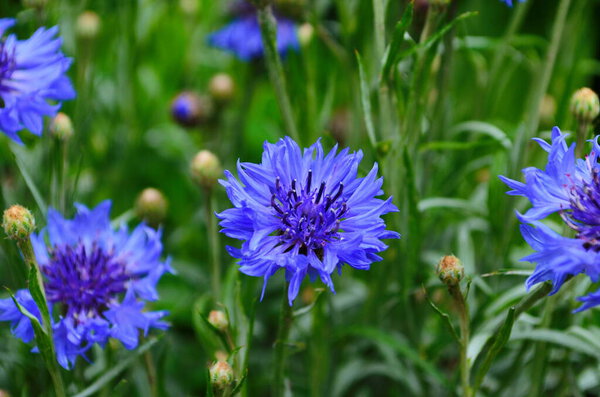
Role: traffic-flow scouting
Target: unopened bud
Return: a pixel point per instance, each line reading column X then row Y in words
column 218, row 319
column 206, row 169
column 4, row 393
column 61, row 126
column 189, row 7
column 221, row 375
column 190, row 109
column 18, row 223
column 339, row 125
column 305, row 34
column 151, row 205
column 88, row 25
column 450, row 270
column 222, row 88
column 585, row 105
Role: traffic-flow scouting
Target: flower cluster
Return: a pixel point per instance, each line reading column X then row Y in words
column 32, row 72
column 571, row 188
column 305, row 212
column 242, row 36
column 96, row 280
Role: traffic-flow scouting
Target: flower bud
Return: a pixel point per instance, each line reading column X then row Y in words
column 190, row 109
column 189, row 7
column 218, row 319
column 18, row 222
column 206, row 169
column 339, row 125
column 151, row 205
column 221, row 375
column 221, row 87
column 88, row 25
column 4, row 393
column 61, row 126
column 585, row 105
column 450, row 270
column 305, row 34
column 548, row 110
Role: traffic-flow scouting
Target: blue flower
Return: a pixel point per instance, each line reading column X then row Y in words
column 242, row 37
column 571, row 188
column 96, row 280
column 32, row 72
column 305, row 212
column 510, row 2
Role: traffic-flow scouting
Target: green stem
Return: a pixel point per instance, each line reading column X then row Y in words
column 385, row 106
column 463, row 313
column 582, row 132
column 541, row 350
column 285, row 323
column 213, row 236
column 151, row 371
column 541, row 86
column 52, row 365
column 268, row 30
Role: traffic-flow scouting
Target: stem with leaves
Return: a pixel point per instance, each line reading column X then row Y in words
column 463, row 313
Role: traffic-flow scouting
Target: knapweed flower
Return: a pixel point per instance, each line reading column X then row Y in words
column 305, row 212
column 571, row 188
column 32, row 72
column 96, row 280
column 242, row 36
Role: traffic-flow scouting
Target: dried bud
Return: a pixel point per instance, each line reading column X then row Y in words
column 305, row 34
column 585, row 105
column 206, row 169
column 221, row 87
column 221, row 375
column 61, row 126
column 450, row 270
column 88, row 25
column 151, row 205
column 18, row 222
column 339, row 125
column 218, row 319
column 190, row 109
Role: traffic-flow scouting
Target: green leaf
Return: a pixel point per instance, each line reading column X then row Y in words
column 391, row 52
column 497, row 342
column 483, row 128
column 27, row 178
column 37, row 293
column 437, row 36
column 240, row 383
column 445, row 317
column 401, row 347
column 448, row 203
column 306, row 309
column 117, row 369
column 366, row 102
column 559, row 338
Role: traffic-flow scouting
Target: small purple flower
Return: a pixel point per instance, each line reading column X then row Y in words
column 32, row 72
column 571, row 188
column 305, row 212
column 96, row 281
column 242, row 36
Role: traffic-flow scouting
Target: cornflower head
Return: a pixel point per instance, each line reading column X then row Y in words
column 305, row 212
column 32, row 72
column 242, row 36
column 97, row 280
column 570, row 187
column 510, row 2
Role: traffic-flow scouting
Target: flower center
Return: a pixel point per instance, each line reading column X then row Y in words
column 7, row 66
column 84, row 280
column 584, row 216
column 310, row 217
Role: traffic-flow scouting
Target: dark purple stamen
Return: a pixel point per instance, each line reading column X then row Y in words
column 310, row 218
column 85, row 280
column 584, row 215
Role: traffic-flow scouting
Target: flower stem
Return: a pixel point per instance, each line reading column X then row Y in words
column 463, row 313
column 213, row 236
column 285, row 323
column 151, row 372
column 541, row 85
column 39, row 295
column 268, row 30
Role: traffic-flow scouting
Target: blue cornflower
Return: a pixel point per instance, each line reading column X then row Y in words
column 96, row 280
column 571, row 188
column 32, row 72
column 242, row 36
column 305, row 212
column 510, row 2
